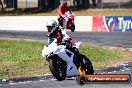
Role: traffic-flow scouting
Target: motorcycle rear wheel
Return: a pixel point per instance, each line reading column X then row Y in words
column 85, row 64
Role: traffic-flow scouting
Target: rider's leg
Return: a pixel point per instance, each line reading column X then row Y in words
column 71, row 47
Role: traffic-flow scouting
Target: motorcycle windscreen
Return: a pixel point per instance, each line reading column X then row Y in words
column 49, row 41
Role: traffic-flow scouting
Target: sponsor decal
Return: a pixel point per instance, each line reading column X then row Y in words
column 103, row 78
column 113, row 23
column 119, row 23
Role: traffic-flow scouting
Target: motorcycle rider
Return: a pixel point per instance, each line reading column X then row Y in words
column 59, row 33
column 61, row 11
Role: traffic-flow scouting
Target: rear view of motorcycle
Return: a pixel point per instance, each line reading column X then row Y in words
column 78, row 63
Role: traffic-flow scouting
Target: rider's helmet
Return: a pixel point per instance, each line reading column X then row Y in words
column 64, row 3
column 51, row 26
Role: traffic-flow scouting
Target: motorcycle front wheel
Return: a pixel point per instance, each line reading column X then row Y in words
column 58, row 68
column 71, row 26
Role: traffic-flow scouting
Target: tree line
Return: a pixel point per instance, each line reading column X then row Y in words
column 45, row 4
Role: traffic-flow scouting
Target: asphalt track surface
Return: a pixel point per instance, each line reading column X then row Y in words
column 112, row 39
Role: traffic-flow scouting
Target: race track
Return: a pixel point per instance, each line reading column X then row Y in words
column 112, row 39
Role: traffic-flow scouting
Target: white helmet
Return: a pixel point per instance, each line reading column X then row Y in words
column 51, row 26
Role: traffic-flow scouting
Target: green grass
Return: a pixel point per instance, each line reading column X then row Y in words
column 23, row 58
column 102, row 57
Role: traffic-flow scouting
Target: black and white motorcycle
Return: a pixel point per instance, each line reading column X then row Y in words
column 64, row 63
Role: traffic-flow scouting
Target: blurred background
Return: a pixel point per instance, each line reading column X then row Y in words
column 44, row 5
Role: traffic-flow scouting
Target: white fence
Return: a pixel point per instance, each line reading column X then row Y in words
column 37, row 23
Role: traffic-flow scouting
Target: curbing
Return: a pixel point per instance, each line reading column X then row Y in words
column 108, row 70
column 25, row 79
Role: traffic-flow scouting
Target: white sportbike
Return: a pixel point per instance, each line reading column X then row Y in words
column 64, row 63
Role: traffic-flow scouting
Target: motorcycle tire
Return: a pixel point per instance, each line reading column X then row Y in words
column 81, row 80
column 58, row 68
column 87, row 65
column 72, row 28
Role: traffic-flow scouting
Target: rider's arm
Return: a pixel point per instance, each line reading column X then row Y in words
column 66, row 39
column 65, row 35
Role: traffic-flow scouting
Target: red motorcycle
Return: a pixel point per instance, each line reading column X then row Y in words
column 70, row 23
